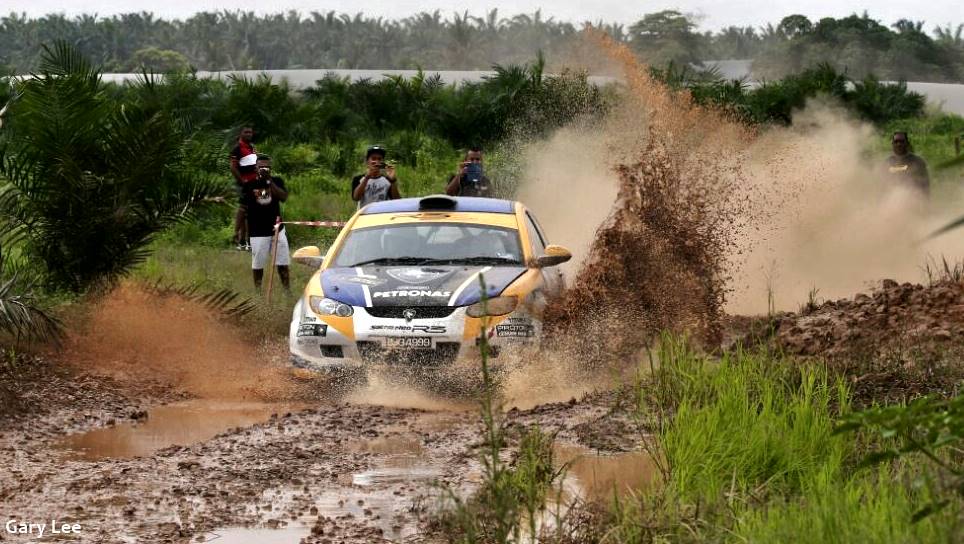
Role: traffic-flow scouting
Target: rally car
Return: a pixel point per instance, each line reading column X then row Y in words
column 400, row 284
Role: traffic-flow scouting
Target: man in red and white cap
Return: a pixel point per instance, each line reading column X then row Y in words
column 244, row 169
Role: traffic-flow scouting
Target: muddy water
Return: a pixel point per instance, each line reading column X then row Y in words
column 595, row 477
column 180, row 424
column 287, row 535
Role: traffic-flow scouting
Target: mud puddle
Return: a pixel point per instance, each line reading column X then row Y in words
column 181, row 424
column 596, row 476
column 402, row 460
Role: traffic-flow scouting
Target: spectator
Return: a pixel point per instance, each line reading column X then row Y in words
column 470, row 181
column 262, row 199
column 907, row 168
column 378, row 183
column 244, row 170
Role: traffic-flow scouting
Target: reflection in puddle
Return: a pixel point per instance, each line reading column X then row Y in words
column 403, row 461
column 595, row 476
column 181, row 424
column 390, row 445
column 237, row 535
column 393, row 475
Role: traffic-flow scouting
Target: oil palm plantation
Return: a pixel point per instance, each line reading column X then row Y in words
column 88, row 181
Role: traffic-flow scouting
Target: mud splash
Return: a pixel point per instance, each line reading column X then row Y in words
column 660, row 261
column 135, row 336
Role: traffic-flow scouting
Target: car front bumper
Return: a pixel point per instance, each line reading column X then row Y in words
column 316, row 344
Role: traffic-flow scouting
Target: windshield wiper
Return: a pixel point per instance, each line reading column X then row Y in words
column 390, row 261
column 419, row 261
column 484, row 259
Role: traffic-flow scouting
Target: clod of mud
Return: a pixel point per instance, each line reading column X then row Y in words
column 180, row 424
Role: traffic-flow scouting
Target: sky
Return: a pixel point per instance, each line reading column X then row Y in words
column 712, row 14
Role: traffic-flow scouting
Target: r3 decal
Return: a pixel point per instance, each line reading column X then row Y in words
column 429, row 329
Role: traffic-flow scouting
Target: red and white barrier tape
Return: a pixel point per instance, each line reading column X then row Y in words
column 315, row 223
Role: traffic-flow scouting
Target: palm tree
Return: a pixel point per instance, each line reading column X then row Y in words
column 87, row 183
column 947, row 35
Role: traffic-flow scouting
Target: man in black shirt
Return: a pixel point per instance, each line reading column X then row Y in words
column 262, row 198
column 470, row 181
column 907, row 168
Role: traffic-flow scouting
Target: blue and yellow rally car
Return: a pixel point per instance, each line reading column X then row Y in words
column 400, row 284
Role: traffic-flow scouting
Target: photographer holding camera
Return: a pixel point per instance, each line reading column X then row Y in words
column 263, row 197
column 378, row 183
column 470, row 181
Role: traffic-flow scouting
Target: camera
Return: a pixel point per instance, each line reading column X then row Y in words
column 473, row 172
column 383, row 166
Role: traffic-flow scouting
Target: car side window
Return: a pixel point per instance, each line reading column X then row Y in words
column 535, row 236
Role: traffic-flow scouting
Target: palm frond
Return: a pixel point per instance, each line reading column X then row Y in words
column 950, row 163
column 224, row 301
column 20, row 315
column 957, row 223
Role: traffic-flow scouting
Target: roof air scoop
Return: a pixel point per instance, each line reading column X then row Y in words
column 437, row 202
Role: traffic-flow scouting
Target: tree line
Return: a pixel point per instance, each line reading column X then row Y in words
column 858, row 45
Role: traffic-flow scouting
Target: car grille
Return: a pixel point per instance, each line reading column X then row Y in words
column 444, row 353
column 421, row 312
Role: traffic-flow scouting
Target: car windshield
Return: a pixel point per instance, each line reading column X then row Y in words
column 437, row 243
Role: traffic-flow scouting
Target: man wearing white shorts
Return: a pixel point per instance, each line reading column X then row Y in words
column 263, row 198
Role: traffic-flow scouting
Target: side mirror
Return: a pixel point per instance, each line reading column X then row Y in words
column 554, row 255
column 309, row 255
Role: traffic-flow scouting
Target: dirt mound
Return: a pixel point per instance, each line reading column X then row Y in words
column 890, row 316
column 895, row 342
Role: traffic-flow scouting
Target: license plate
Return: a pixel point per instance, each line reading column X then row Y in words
column 408, row 342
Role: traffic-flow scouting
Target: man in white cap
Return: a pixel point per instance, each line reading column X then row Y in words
column 263, row 198
column 244, row 169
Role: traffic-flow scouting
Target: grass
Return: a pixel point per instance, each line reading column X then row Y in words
column 875, row 507
column 214, row 269
column 749, row 453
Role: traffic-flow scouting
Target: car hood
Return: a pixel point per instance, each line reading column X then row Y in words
column 415, row 285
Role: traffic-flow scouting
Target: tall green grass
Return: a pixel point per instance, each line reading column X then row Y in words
column 873, row 507
column 749, row 453
column 750, row 423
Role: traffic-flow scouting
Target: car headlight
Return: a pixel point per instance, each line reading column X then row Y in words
column 326, row 306
column 493, row 307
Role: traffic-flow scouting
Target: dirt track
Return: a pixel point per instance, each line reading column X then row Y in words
column 330, row 471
